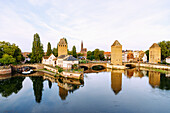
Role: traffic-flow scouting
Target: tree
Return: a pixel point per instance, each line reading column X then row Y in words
column 96, row 54
column 74, row 53
column 89, row 54
column 37, row 50
column 7, row 59
column 80, row 54
column 165, row 49
column 11, row 49
column 49, row 51
column 55, row 52
column 147, row 54
column 101, row 55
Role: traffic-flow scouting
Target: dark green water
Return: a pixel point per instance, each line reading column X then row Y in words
column 105, row 92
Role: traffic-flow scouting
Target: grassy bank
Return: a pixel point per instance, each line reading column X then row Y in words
column 159, row 70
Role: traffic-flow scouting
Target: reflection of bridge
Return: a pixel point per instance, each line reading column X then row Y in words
column 95, row 71
column 90, row 65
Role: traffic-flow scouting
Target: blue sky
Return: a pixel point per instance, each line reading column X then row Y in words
column 137, row 24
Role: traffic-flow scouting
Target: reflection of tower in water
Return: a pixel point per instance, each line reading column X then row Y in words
column 116, row 81
column 63, row 93
column 154, row 79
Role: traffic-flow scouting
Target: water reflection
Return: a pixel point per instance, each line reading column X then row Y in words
column 37, row 87
column 116, row 81
column 134, row 73
column 154, row 79
column 11, row 85
column 68, row 85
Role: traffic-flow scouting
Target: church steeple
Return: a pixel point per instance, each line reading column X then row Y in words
column 81, row 45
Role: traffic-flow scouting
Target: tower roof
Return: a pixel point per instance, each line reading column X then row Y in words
column 154, row 45
column 62, row 42
column 116, row 43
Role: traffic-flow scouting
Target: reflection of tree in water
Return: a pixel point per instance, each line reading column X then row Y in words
column 38, row 87
column 49, row 84
column 12, row 85
column 165, row 82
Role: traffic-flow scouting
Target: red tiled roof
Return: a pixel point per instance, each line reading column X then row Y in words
column 107, row 53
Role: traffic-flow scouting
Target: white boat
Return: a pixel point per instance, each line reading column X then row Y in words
column 27, row 72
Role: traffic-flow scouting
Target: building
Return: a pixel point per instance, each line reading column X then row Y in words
column 134, row 56
column 49, row 60
column 62, row 47
column 154, row 53
column 116, row 53
column 83, row 50
column 168, row 60
column 66, row 61
column 25, row 55
column 107, row 55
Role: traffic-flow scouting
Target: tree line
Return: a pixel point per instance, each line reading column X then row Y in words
column 11, row 53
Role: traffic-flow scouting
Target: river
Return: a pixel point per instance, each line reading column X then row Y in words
column 129, row 91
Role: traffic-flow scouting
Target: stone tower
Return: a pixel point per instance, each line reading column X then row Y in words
column 154, row 53
column 116, row 53
column 62, row 47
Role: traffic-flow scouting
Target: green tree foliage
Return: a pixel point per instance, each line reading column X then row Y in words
column 96, row 54
column 74, row 53
column 37, row 50
column 49, row 51
column 165, row 49
column 55, row 51
column 147, row 54
column 90, row 55
column 11, row 50
column 80, row 54
column 7, row 59
column 70, row 52
column 101, row 55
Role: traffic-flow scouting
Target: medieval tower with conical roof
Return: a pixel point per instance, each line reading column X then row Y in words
column 116, row 53
column 154, row 53
column 62, row 47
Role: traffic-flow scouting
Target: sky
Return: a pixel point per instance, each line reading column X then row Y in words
column 136, row 24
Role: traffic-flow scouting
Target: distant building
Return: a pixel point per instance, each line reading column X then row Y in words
column 168, row 59
column 116, row 53
column 154, row 53
column 49, row 60
column 83, row 50
column 25, row 55
column 66, row 61
column 107, row 55
column 62, row 47
column 134, row 56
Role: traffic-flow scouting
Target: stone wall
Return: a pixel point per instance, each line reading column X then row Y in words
column 51, row 69
column 5, row 70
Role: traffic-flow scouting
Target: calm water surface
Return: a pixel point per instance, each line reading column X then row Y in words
column 105, row 92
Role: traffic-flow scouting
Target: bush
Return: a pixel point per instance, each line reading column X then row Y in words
column 60, row 70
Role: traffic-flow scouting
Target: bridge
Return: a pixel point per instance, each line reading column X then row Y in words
column 92, row 64
column 34, row 66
